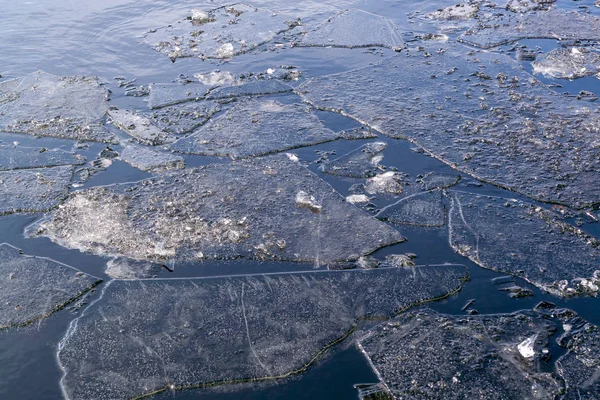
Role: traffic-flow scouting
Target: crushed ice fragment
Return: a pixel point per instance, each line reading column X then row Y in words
column 362, row 162
column 151, row 335
column 390, row 182
column 33, row 190
column 219, row 33
column 305, row 200
column 526, row 347
column 357, row 198
column 151, row 160
column 256, row 127
column 32, row 288
column 244, row 209
column 354, row 28
column 568, row 63
column 215, row 78
column 47, row 105
column 140, row 128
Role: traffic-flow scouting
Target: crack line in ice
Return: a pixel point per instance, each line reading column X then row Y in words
column 248, row 332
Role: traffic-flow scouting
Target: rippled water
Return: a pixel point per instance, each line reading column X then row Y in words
column 103, row 38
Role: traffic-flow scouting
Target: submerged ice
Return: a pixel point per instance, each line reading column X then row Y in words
column 32, row 288
column 245, row 209
column 151, row 336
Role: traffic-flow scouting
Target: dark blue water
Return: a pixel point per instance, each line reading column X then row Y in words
column 103, row 38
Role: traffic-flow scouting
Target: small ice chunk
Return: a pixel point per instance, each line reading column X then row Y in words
column 168, row 94
column 225, row 51
column 390, row 182
column 460, row 12
column 199, row 16
column 215, row 78
column 526, row 347
column 357, row 198
column 359, row 163
column 567, row 63
column 304, row 200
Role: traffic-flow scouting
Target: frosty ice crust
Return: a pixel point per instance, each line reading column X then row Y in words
column 251, row 209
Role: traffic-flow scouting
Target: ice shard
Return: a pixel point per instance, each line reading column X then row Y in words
column 21, row 157
column 361, row 162
column 148, row 159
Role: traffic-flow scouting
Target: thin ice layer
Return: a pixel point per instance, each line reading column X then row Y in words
column 423, row 354
column 256, row 127
column 148, row 159
column 567, row 63
column 524, row 240
column 140, row 128
column 220, row 33
column 271, row 208
column 354, row 28
column 124, row 268
column 32, row 288
column 47, row 105
column 152, row 335
column 33, row 190
column 507, row 27
column 183, row 118
column 481, row 114
column 362, row 162
column 168, row 94
column 20, row 157
column 254, row 88
column 421, row 208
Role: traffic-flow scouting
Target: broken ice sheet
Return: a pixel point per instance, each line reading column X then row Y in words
column 567, row 63
column 124, row 268
column 487, row 118
column 151, row 160
column 422, row 209
column 150, row 336
column 245, row 209
column 256, row 127
column 362, row 162
column 32, row 288
column 47, row 105
column 526, row 241
column 502, row 28
column 222, row 33
column 253, row 88
column 168, row 94
column 423, row 354
column 522, row 6
column 20, row 157
column 140, row 128
column 354, row 28
column 183, row 118
column 33, row 190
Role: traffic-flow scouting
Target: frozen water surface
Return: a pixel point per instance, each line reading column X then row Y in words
column 33, row 190
column 148, row 159
column 354, row 28
column 150, row 336
column 359, row 163
column 507, row 27
column 423, row 209
column 46, row 105
column 480, row 113
column 567, row 63
column 423, row 354
column 224, row 32
column 21, row 157
column 32, row 288
column 526, row 241
column 256, row 127
column 244, row 209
